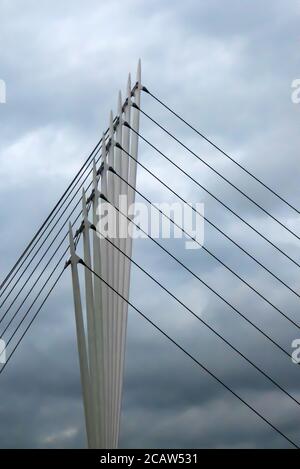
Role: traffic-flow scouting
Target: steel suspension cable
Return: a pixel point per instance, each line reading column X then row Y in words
column 197, row 362
column 37, row 240
column 215, row 171
column 208, row 251
column 200, row 279
column 215, row 197
column 39, row 231
column 209, row 221
column 31, row 322
column 76, row 239
column 40, row 247
column 48, row 220
column 198, row 317
column 146, row 90
column 49, row 261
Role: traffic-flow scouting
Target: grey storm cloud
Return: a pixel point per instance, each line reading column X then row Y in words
column 228, row 69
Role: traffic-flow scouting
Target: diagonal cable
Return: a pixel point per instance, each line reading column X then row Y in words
column 200, row 279
column 46, row 251
column 210, row 222
column 217, row 199
column 32, row 247
column 146, row 90
column 220, row 336
column 197, row 362
column 209, row 252
column 216, row 172
column 48, row 220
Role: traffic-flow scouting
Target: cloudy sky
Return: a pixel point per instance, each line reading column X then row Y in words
column 227, row 67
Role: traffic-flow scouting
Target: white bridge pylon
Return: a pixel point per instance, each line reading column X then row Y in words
column 102, row 321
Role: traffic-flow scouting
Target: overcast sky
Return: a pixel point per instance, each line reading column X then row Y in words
column 227, row 67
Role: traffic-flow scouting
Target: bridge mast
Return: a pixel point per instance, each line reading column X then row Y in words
column 101, row 328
